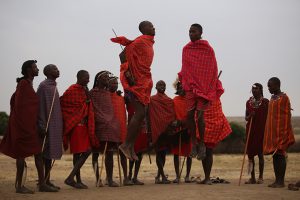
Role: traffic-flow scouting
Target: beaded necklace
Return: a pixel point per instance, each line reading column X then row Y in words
column 255, row 103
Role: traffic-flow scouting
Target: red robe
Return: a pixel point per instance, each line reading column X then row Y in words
column 21, row 138
column 75, row 107
column 139, row 55
column 199, row 72
column 161, row 113
column 120, row 114
column 181, row 114
column 278, row 131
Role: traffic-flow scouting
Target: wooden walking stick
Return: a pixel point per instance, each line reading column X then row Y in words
column 102, row 161
column 246, row 146
column 48, row 120
column 119, row 167
column 182, row 166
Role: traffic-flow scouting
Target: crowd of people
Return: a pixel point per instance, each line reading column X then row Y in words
column 103, row 121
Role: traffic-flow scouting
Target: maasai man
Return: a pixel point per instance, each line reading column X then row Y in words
column 161, row 114
column 278, row 131
column 79, row 126
column 21, row 139
column 256, row 115
column 118, row 103
column 180, row 107
column 199, row 77
column 136, row 79
column 50, row 118
column 107, row 127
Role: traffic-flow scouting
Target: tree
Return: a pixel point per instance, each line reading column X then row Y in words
column 3, row 122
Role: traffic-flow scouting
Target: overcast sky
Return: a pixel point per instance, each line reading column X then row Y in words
column 253, row 41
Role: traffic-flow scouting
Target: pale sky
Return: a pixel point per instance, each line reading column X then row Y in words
column 253, row 41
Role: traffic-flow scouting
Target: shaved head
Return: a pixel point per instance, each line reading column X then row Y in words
column 147, row 28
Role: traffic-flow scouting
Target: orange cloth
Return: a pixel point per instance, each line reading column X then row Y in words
column 278, row 129
column 180, row 105
column 161, row 113
column 139, row 55
column 120, row 114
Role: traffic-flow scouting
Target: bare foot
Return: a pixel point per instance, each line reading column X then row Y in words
column 137, row 182
column 127, row 182
column 24, row 190
column 251, row 181
column 126, row 151
column 260, row 181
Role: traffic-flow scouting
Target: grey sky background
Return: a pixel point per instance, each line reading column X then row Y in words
column 253, row 41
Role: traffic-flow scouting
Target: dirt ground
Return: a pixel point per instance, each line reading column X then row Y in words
column 225, row 166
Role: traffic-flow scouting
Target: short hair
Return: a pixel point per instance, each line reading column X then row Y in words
column 142, row 25
column 275, row 80
column 25, row 66
column 47, row 68
column 198, row 26
column 81, row 73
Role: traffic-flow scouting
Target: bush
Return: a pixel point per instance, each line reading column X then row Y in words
column 3, row 122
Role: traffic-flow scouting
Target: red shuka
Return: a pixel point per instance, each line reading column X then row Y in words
column 139, row 55
column 21, row 138
column 161, row 113
column 75, row 107
column 180, row 106
column 120, row 114
column 199, row 72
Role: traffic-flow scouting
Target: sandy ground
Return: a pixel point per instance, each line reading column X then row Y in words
column 225, row 166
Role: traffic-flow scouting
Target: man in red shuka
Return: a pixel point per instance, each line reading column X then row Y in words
column 136, row 79
column 199, row 77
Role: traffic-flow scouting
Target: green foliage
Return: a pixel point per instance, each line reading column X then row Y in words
column 3, row 122
column 238, row 132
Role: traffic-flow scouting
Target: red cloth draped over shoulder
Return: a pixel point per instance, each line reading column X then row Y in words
column 120, row 114
column 74, row 108
column 21, row 138
column 139, row 55
column 278, row 129
column 161, row 113
column 180, row 107
column 199, row 72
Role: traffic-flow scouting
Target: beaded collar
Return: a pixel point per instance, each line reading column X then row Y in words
column 255, row 103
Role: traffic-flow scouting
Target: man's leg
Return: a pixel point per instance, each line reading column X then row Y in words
column 43, row 187
column 176, row 166
column 138, row 162
column 95, row 164
column 133, row 130
column 279, row 164
column 201, row 127
column 77, row 165
column 20, row 188
column 261, row 163
column 207, row 165
column 126, row 181
column 188, row 169
column 109, row 164
column 192, row 128
column 47, row 164
column 252, row 180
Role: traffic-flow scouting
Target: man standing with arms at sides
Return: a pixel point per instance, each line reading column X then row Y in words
column 50, row 118
column 79, row 126
column 21, row 139
column 136, row 79
column 199, row 77
column 278, row 130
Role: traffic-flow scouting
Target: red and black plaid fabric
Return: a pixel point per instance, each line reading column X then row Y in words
column 162, row 113
column 216, row 125
column 199, row 72
column 75, row 108
column 139, row 55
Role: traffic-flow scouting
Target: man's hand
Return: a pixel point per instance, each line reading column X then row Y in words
column 122, row 56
